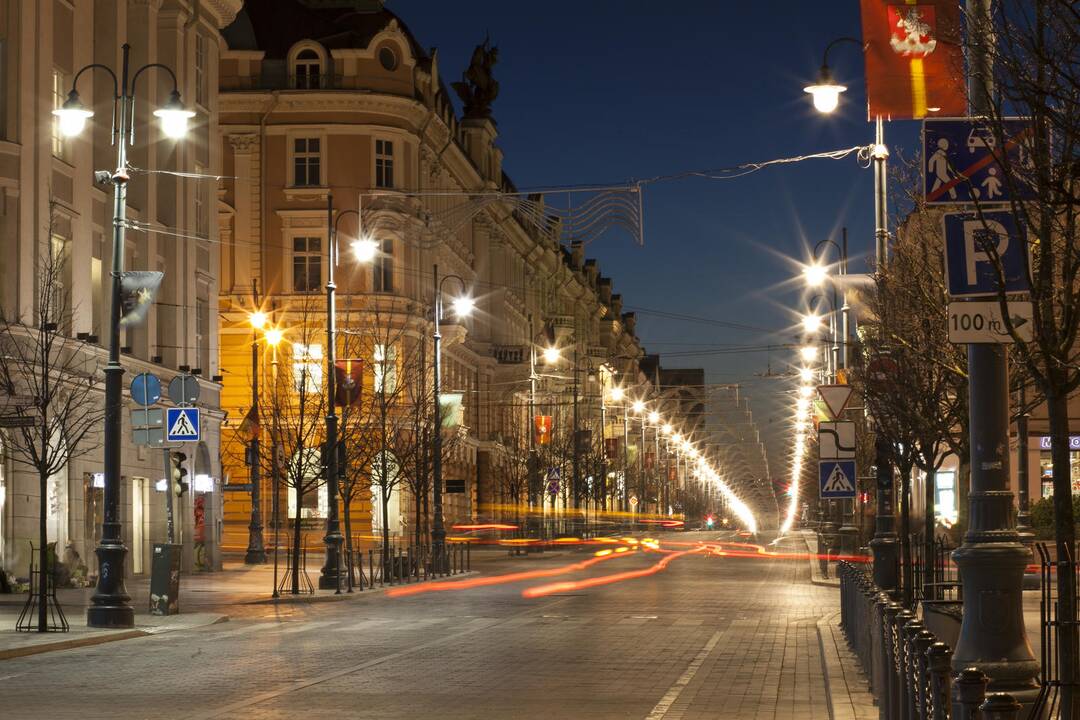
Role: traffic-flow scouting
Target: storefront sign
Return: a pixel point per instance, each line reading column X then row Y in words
column 1074, row 442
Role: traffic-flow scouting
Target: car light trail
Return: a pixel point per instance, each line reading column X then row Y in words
column 567, row 586
column 501, row 579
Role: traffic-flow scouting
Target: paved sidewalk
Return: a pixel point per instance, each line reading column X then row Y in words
column 809, row 537
column 847, row 687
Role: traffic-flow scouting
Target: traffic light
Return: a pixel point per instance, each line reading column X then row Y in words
column 178, row 473
column 709, row 520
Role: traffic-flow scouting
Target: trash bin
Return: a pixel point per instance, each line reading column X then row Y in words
column 165, row 579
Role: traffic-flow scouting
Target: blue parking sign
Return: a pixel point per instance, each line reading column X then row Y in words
column 182, row 424
column 971, row 241
column 964, row 160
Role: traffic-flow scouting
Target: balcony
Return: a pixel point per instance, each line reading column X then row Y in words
column 508, row 354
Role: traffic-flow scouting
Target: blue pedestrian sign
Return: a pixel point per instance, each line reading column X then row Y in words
column 182, row 424
column 962, row 160
column 971, row 243
column 837, row 478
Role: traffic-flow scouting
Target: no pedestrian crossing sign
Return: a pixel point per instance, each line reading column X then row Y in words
column 837, row 478
column 182, row 424
column 966, row 158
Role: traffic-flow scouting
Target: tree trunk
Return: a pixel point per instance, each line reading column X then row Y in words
column 385, row 494
column 928, row 568
column 417, row 529
column 43, row 553
column 905, row 535
column 1065, row 537
column 348, row 541
column 296, row 542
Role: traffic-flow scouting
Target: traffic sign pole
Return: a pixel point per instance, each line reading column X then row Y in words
column 991, row 559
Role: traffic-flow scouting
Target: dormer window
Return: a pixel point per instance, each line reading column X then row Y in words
column 307, row 70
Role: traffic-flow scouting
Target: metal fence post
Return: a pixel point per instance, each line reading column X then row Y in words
column 910, row 629
column 923, row 640
column 891, row 677
column 969, row 691
column 1000, row 706
column 939, row 662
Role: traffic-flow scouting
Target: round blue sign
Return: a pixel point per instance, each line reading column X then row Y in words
column 145, row 389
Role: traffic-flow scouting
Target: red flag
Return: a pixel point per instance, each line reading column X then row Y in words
column 611, row 447
column 348, row 382
column 914, row 58
column 543, row 426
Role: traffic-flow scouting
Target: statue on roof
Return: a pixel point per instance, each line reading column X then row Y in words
column 478, row 88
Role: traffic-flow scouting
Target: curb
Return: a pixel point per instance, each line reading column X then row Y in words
column 70, row 644
column 105, row 637
column 833, row 673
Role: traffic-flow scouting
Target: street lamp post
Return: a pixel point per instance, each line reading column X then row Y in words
column 885, row 544
column 256, row 549
column 462, row 307
column 330, row 576
column 110, row 605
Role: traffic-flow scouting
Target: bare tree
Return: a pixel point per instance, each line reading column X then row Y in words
column 296, row 413
column 60, row 380
column 1032, row 49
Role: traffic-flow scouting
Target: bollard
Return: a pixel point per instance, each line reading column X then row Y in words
column 969, row 691
column 911, row 628
column 939, row 700
column 877, row 649
column 890, row 676
column 1000, row 706
column 468, row 557
column 899, row 641
column 923, row 641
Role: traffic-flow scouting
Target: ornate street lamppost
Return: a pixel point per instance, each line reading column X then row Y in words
column 463, row 306
column 110, row 605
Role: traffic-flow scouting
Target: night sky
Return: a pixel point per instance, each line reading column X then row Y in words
column 597, row 91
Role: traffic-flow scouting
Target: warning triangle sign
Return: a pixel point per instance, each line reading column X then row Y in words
column 182, row 426
column 838, row 481
column 835, row 398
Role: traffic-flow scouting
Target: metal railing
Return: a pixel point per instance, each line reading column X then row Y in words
column 1052, row 624
column 404, row 564
column 909, row 669
column 937, row 579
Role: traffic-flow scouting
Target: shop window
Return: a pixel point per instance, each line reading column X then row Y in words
column 945, row 507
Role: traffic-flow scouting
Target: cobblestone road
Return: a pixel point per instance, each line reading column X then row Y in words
column 707, row 638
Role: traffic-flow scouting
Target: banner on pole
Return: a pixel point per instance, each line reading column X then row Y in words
column 914, row 58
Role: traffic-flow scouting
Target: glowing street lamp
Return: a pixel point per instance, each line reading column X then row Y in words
column 552, row 355
column 809, row 353
column 815, row 275
column 812, row 323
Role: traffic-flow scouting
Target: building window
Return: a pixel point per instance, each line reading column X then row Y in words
column 307, row 70
column 384, row 163
column 59, row 284
column 202, row 219
column 59, row 96
column 945, row 503
column 306, row 162
column 202, row 327
column 201, row 58
column 388, row 59
column 385, row 363
column 307, row 367
column 382, row 269
column 307, row 264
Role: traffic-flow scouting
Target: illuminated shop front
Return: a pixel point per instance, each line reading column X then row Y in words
column 1046, row 468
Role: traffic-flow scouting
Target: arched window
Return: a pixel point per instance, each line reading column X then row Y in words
column 307, row 70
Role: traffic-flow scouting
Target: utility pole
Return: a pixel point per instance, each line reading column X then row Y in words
column 575, row 486
column 992, row 558
column 331, row 570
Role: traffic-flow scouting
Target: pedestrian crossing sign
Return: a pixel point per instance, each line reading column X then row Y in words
column 182, row 424
column 837, row 478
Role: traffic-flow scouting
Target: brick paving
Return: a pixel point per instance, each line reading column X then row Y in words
column 708, row 638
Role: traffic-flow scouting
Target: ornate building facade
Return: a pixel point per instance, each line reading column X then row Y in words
column 52, row 208
column 339, row 100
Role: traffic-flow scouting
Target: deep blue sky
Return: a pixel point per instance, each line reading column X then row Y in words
column 605, row 90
